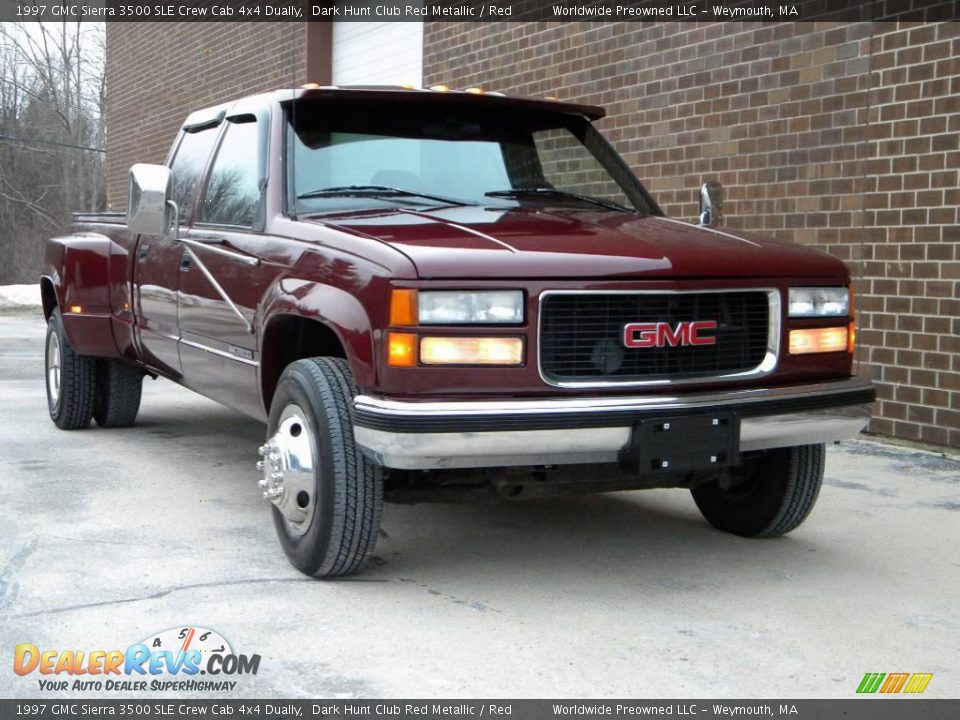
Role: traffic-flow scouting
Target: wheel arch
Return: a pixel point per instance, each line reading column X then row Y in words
column 288, row 338
column 48, row 296
column 306, row 319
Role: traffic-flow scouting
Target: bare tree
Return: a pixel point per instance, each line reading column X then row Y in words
column 52, row 97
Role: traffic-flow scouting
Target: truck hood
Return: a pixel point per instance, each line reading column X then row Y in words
column 477, row 242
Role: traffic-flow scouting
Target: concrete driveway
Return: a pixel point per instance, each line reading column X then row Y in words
column 109, row 536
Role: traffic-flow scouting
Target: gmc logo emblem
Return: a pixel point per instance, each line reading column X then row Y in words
column 660, row 334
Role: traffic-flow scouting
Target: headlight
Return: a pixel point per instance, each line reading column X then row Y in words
column 819, row 302
column 443, row 307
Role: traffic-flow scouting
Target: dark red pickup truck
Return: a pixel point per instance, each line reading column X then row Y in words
column 428, row 293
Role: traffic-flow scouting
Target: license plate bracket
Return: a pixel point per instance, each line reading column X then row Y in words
column 686, row 443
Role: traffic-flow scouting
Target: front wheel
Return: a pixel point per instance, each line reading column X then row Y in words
column 327, row 496
column 771, row 495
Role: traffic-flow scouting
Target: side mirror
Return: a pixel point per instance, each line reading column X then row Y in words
column 150, row 209
column 710, row 204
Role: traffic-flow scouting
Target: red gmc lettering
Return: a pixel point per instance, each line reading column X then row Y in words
column 646, row 335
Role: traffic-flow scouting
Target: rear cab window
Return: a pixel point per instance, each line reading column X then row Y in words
column 189, row 162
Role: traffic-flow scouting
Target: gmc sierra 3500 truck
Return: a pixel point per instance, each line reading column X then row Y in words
column 425, row 291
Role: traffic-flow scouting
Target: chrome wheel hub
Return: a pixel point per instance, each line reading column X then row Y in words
column 289, row 469
column 53, row 368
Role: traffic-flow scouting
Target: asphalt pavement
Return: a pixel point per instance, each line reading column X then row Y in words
column 108, row 537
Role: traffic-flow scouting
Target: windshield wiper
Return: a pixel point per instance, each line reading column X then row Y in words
column 520, row 192
column 374, row 191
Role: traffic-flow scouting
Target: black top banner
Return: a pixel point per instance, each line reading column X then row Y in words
column 480, row 10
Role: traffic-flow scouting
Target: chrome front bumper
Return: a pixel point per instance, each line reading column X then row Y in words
column 429, row 435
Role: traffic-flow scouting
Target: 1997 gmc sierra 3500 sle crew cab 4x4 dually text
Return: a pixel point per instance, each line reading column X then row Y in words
column 429, row 292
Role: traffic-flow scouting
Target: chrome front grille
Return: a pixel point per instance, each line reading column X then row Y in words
column 582, row 336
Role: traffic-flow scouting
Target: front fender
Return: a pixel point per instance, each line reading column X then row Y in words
column 337, row 309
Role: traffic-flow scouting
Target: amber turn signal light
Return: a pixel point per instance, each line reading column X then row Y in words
column 403, row 307
column 819, row 340
column 435, row 350
column 401, row 349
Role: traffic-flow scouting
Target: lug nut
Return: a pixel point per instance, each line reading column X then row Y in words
column 263, row 484
column 262, row 450
column 259, row 464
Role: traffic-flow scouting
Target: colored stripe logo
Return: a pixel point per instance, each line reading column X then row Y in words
column 918, row 682
column 890, row 683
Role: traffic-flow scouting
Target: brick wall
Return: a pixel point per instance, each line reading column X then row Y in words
column 157, row 73
column 845, row 137
column 911, row 314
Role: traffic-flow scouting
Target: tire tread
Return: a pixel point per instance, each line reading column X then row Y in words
column 357, row 482
column 119, row 388
column 804, row 479
column 784, row 491
column 78, row 382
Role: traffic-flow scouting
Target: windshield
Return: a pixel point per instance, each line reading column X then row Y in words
column 352, row 155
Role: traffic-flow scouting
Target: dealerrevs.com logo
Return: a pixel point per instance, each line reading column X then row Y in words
column 168, row 660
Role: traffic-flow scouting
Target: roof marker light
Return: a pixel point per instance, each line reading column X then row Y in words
column 440, row 88
column 310, row 86
column 475, row 90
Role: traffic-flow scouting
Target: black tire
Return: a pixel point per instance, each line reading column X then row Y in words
column 776, row 494
column 346, row 515
column 70, row 401
column 117, row 402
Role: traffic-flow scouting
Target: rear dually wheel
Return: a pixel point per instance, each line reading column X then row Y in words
column 119, row 385
column 71, row 379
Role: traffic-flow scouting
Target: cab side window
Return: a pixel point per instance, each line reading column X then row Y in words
column 234, row 193
column 188, row 165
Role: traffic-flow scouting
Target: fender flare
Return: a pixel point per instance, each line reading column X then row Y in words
column 342, row 313
column 81, row 271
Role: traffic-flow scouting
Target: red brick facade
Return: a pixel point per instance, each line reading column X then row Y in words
column 845, row 137
column 157, row 73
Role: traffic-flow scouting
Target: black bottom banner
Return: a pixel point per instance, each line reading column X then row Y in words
column 853, row 709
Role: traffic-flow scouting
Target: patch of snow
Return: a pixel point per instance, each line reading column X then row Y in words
column 19, row 297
